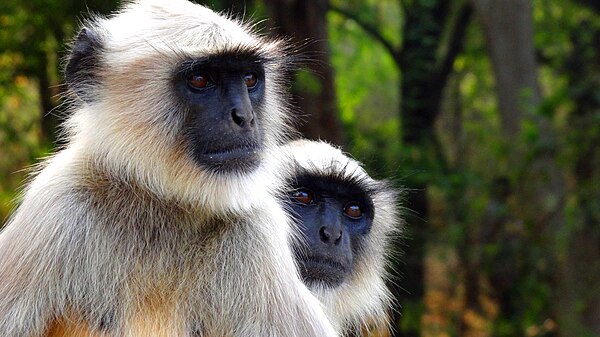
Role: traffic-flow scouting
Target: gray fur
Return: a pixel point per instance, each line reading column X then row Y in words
column 121, row 232
column 364, row 300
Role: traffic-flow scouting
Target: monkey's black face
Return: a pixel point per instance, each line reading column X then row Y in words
column 335, row 217
column 223, row 97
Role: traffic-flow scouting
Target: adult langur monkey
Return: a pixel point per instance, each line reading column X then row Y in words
column 113, row 238
column 346, row 220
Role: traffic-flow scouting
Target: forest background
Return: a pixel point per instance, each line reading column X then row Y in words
column 487, row 113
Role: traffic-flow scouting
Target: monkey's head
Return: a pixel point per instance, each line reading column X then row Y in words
column 178, row 98
column 346, row 220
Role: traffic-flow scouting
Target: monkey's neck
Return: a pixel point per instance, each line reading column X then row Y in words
column 105, row 185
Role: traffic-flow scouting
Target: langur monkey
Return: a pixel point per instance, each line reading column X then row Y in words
column 346, row 220
column 112, row 236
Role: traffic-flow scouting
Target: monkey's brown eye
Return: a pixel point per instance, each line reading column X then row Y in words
column 198, row 81
column 251, row 80
column 353, row 209
column 303, row 196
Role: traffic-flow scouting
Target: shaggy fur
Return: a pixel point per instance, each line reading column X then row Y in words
column 364, row 299
column 122, row 234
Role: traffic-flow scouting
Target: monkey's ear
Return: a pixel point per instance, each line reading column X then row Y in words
column 83, row 64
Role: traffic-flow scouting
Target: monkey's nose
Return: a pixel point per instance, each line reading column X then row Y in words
column 330, row 235
column 243, row 118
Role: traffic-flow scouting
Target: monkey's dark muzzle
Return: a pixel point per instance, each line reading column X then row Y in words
column 323, row 271
column 241, row 159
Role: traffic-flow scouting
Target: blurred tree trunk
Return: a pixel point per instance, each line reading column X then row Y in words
column 592, row 4
column 508, row 29
column 425, row 71
column 424, row 76
column 306, row 23
column 420, row 96
column 540, row 183
column 239, row 8
column 580, row 271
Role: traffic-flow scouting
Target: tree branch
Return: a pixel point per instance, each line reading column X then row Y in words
column 456, row 42
column 369, row 29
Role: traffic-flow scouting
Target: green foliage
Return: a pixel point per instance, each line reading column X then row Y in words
column 31, row 42
column 465, row 164
column 306, row 81
column 412, row 316
column 385, row 16
column 366, row 80
column 19, row 137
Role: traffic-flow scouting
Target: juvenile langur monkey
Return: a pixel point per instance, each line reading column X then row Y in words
column 112, row 237
column 346, row 220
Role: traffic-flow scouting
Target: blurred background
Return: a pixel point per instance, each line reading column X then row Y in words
column 486, row 111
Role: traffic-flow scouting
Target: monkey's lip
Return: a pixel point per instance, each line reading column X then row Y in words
column 242, row 159
column 232, row 153
column 323, row 270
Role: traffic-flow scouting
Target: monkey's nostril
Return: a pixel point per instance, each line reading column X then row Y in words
column 323, row 234
column 244, row 118
column 330, row 236
column 238, row 118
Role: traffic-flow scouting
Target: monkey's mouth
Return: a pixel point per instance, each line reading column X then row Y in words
column 233, row 153
column 242, row 158
column 322, row 270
